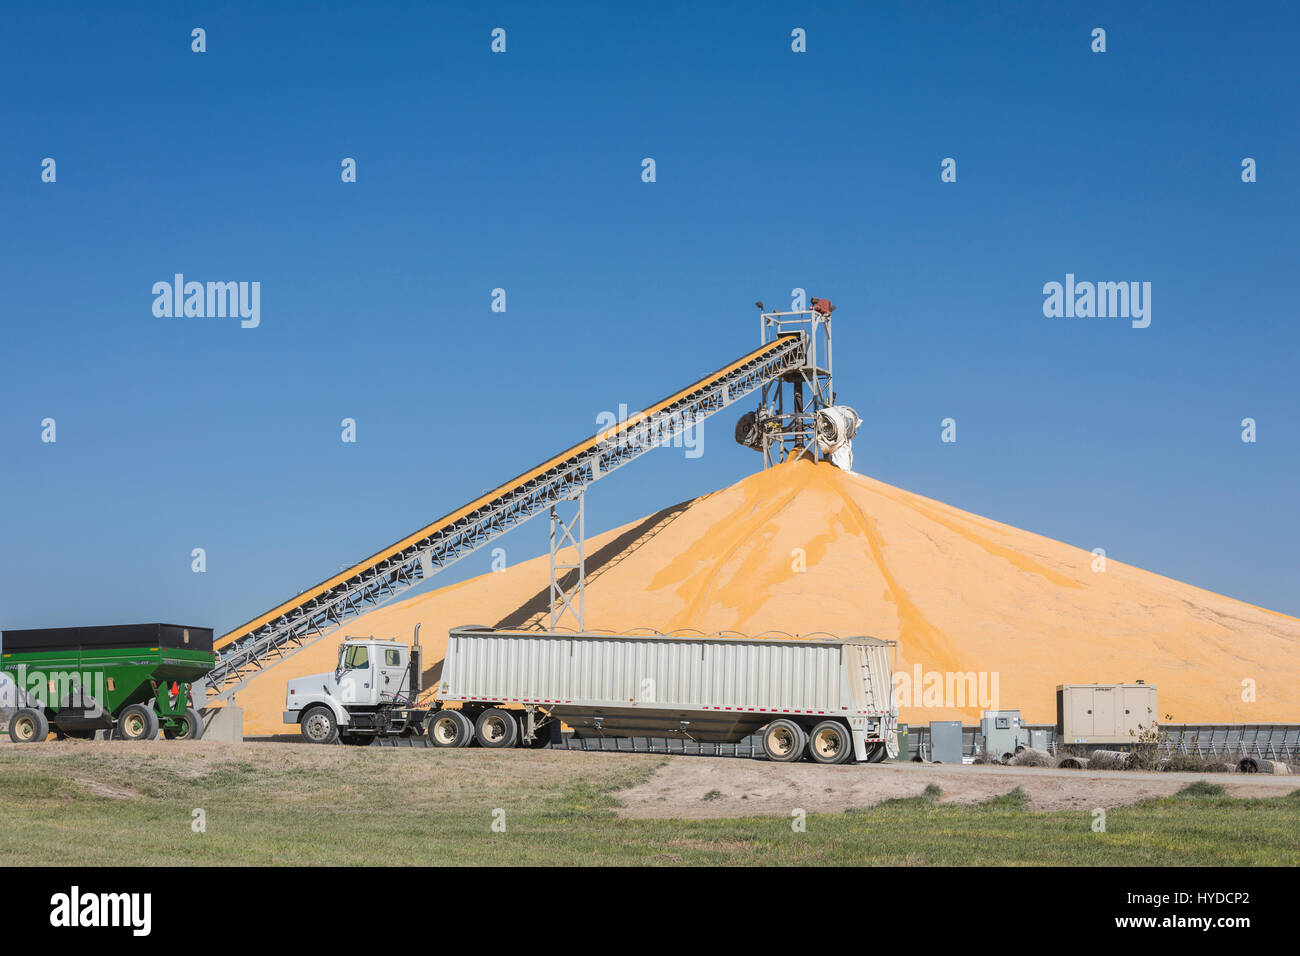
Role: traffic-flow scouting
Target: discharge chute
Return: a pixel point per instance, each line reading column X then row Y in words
column 836, row 426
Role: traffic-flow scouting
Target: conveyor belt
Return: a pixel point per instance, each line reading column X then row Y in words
column 287, row 628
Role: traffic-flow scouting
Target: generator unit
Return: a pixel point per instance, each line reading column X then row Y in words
column 1104, row 713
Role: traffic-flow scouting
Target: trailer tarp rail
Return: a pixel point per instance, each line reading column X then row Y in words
column 108, row 636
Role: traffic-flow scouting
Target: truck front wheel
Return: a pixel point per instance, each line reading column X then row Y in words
column 319, row 726
column 28, row 726
column 784, row 741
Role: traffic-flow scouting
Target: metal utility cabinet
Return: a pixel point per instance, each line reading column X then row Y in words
column 946, row 744
column 1003, row 732
column 1104, row 713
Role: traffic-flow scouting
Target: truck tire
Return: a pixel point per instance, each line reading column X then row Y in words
column 496, row 728
column 830, row 742
column 318, row 725
column 449, row 728
column 137, row 722
column 28, row 726
column 191, row 727
column 784, row 741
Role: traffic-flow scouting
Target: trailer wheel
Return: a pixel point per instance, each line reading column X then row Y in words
column 28, row 726
column 784, row 741
column 191, row 727
column 496, row 728
column 137, row 722
column 319, row 726
column 830, row 742
column 449, row 728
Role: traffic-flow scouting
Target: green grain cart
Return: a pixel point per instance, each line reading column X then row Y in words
column 131, row 679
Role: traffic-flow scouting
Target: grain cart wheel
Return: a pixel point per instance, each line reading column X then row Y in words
column 137, row 722
column 784, row 741
column 449, row 728
column 319, row 726
column 190, row 727
column 830, row 742
column 496, row 728
column 28, row 726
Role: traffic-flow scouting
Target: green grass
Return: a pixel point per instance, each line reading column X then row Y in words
column 276, row 804
column 1202, row 788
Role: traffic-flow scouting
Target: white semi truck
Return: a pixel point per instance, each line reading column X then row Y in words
column 828, row 699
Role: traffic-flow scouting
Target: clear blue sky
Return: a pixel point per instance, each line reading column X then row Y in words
column 523, row 171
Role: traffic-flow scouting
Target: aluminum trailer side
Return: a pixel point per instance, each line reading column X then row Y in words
column 829, row 698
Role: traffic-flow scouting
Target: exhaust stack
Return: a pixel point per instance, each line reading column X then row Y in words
column 416, row 666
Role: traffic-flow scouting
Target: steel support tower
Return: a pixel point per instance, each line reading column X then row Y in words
column 569, row 531
column 789, row 403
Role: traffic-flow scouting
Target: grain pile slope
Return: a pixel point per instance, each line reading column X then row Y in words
column 804, row 548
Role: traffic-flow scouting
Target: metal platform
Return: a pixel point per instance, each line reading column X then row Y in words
column 788, row 405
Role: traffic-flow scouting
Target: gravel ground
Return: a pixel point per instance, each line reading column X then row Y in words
column 703, row 787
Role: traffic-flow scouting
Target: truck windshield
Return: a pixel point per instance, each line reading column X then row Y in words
column 356, row 657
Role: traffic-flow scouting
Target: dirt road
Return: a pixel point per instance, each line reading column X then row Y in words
column 702, row 787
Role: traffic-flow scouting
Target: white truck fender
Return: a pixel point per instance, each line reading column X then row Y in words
column 302, row 702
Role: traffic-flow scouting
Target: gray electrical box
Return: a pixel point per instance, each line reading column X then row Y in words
column 1003, row 733
column 945, row 741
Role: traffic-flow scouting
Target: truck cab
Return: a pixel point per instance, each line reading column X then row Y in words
column 371, row 692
